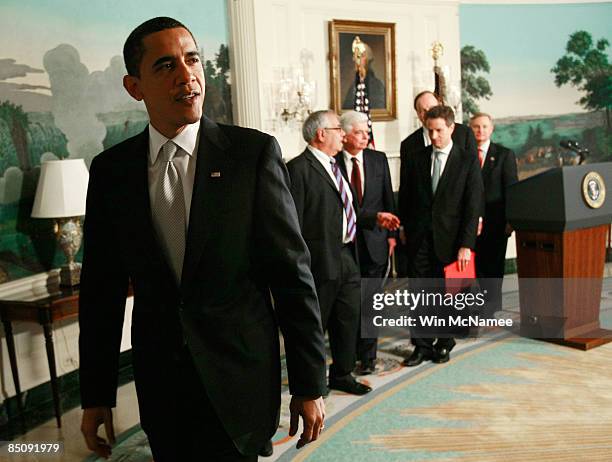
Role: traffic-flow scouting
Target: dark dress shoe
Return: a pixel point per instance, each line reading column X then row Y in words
column 441, row 355
column 366, row 368
column 416, row 358
column 350, row 386
column 266, row 450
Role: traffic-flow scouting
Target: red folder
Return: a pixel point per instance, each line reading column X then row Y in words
column 458, row 280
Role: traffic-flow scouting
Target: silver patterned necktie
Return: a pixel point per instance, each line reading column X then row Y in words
column 435, row 177
column 170, row 209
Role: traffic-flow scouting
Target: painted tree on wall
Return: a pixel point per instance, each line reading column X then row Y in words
column 585, row 66
column 473, row 86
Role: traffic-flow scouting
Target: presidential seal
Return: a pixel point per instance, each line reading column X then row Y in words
column 593, row 190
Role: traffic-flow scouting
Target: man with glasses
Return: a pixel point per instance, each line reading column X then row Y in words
column 329, row 214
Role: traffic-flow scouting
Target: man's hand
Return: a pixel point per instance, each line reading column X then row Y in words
column 312, row 411
column 387, row 220
column 392, row 243
column 463, row 257
column 93, row 417
column 479, row 230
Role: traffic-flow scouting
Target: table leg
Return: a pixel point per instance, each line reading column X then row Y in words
column 10, row 343
column 53, row 372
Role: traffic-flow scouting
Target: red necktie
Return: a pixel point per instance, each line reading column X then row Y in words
column 356, row 180
column 480, row 156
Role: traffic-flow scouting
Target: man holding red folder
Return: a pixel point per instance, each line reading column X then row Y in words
column 440, row 200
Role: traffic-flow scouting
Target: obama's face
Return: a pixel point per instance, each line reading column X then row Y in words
column 171, row 80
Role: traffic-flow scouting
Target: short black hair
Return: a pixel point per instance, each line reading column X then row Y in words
column 133, row 49
column 441, row 112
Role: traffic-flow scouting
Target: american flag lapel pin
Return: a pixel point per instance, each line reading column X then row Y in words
column 215, row 174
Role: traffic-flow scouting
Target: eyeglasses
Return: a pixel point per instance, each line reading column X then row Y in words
column 332, row 128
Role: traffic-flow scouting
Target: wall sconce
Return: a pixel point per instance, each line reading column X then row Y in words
column 61, row 194
column 292, row 97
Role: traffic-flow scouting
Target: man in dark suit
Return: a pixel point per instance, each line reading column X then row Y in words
column 498, row 167
column 440, row 200
column 199, row 218
column 418, row 140
column 368, row 173
column 328, row 213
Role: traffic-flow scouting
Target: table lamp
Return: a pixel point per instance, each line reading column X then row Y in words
column 61, row 194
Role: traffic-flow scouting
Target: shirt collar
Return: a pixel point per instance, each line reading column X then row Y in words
column 187, row 140
column 484, row 147
column 446, row 151
column 320, row 155
column 348, row 156
column 426, row 136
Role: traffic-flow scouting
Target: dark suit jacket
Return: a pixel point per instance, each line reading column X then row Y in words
column 462, row 137
column 498, row 172
column 243, row 243
column 452, row 213
column 320, row 211
column 377, row 197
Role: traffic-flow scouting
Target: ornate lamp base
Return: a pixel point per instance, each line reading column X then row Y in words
column 70, row 274
column 69, row 233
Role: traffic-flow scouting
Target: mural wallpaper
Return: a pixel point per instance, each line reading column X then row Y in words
column 544, row 72
column 61, row 95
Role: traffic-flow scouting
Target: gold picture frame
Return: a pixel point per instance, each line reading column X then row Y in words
column 380, row 39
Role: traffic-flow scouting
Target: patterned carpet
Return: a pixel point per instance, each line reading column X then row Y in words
column 511, row 400
column 508, row 399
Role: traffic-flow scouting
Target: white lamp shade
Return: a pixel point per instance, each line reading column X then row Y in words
column 62, row 189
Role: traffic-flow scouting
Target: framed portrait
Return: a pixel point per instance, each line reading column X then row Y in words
column 378, row 39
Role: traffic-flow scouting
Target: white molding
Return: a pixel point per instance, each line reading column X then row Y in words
column 527, row 2
column 243, row 56
column 34, row 283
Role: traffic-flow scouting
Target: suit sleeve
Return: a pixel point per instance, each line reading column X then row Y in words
column 103, row 291
column 282, row 253
column 509, row 172
column 402, row 196
column 388, row 200
column 471, row 147
column 473, row 199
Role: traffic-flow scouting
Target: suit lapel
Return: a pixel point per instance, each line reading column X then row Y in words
column 489, row 162
column 452, row 166
column 139, row 212
column 424, row 163
column 314, row 163
column 369, row 172
column 213, row 167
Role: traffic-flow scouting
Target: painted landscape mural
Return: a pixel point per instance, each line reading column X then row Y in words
column 544, row 72
column 61, row 96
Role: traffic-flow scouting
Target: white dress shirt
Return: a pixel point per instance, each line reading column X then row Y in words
column 326, row 162
column 187, row 141
column 348, row 161
column 426, row 137
column 443, row 157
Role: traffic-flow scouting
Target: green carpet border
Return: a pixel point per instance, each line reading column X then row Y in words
column 292, row 452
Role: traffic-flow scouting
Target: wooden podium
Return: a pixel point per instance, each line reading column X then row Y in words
column 561, row 218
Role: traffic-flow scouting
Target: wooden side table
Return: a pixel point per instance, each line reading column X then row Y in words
column 43, row 307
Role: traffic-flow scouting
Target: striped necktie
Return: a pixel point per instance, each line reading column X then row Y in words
column 351, row 226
